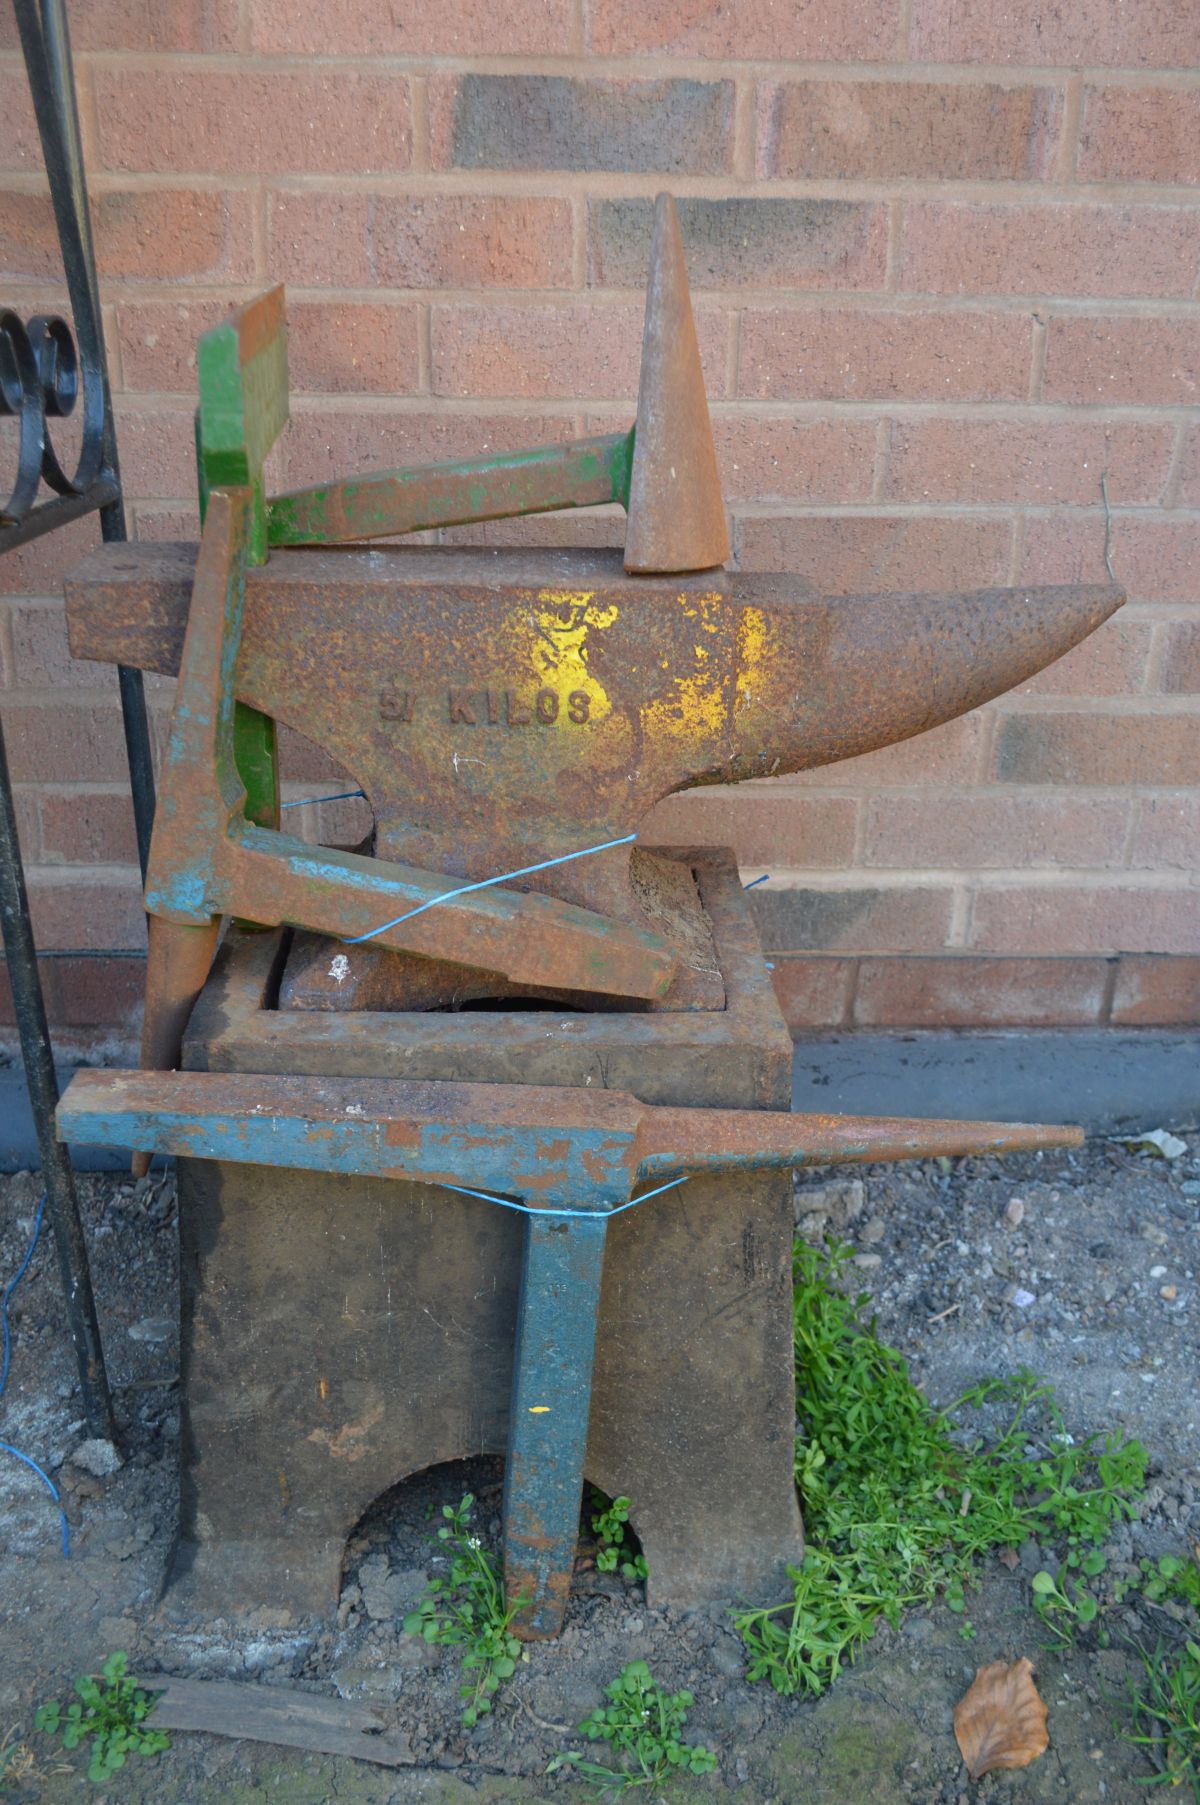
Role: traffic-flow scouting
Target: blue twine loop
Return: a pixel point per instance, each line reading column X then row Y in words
column 528, row 1209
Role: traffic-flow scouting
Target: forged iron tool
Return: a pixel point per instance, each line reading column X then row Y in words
column 569, row 1156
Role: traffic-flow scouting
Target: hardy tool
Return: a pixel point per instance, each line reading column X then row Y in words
column 511, row 717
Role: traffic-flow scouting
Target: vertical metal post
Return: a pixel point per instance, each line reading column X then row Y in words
column 553, row 1355
column 62, row 1202
column 47, row 50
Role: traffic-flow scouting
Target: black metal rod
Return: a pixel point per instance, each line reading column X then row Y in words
column 57, row 1176
column 46, row 44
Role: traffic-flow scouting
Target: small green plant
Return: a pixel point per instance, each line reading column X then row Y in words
column 1165, row 1716
column 1168, row 1580
column 900, row 1500
column 110, row 1712
column 1064, row 1605
column 609, row 1517
column 643, row 1727
column 466, row 1608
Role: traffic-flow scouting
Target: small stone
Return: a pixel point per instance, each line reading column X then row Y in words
column 389, row 1592
column 1023, row 1299
column 1014, row 1215
column 874, row 1231
column 1158, row 1272
column 1169, row 1293
column 152, row 1329
column 97, row 1457
column 869, row 1261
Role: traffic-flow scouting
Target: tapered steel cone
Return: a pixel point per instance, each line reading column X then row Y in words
column 676, row 515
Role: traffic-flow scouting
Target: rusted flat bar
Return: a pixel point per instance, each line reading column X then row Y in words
column 580, row 474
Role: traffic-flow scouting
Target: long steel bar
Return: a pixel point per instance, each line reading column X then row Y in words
column 580, row 474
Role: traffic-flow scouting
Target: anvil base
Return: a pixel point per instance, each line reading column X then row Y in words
column 340, row 1334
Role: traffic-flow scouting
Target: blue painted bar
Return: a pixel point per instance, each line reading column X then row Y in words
column 551, row 1397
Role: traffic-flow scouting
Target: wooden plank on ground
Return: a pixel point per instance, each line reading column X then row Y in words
column 278, row 1714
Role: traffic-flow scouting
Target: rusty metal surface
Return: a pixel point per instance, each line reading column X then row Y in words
column 531, row 703
column 676, row 514
column 548, row 1146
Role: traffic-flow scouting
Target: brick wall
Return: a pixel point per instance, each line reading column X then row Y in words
column 945, row 262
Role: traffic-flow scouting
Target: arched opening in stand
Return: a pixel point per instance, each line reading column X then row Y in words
column 396, row 1550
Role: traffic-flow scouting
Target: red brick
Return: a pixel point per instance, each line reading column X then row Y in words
column 85, row 912
column 1156, row 992
column 361, row 240
column 1181, row 659
column 1157, row 560
column 581, row 351
column 157, row 523
column 813, row 993
column 137, row 25
column 333, row 347
column 1111, row 661
column 1162, row 750
column 271, row 121
column 964, row 991
column 835, row 31
column 887, row 130
column 527, row 121
column 99, row 993
column 20, row 146
column 746, row 241
column 301, row 762
column 41, row 658
column 1077, row 918
column 765, row 827
column 984, row 831
column 949, row 754
column 87, row 827
column 38, row 568
column 1144, row 360
column 157, row 446
column 325, row 442
column 158, row 234
column 1189, row 473
column 852, row 553
column 1166, row 834
column 588, row 526
column 858, row 919
column 1140, row 134
column 1026, row 459
column 1154, row 34
column 53, row 742
column 418, row 28
column 765, row 458
column 1049, row 248
column 873, row 354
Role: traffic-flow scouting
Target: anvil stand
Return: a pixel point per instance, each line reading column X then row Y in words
column 340, row 1334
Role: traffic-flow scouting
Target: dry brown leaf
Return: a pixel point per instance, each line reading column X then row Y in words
column 1008, row 1557
column 1000, row 1721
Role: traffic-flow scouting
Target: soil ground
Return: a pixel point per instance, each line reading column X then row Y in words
column 1089, row 1278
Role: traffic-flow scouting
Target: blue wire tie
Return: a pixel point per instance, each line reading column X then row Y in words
column 527, row 1209
column 7, row 1447
column 342, row 796
column 755, row 882
column 486, row 884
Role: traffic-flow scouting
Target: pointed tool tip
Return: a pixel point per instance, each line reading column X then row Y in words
column 676, row 514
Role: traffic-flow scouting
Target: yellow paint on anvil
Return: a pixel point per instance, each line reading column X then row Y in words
column 539, row 1410
column 554, row 628
column 754, row 650
column 696, row 707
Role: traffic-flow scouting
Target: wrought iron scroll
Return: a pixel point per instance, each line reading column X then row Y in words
column 48, row 368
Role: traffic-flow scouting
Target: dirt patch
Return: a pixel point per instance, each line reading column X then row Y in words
column 1080, row 1266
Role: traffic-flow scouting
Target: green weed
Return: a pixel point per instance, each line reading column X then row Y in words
column 1165, row 1716
column 643, row 1727
column 609, row 1517
column 1062, row 1602
column 110, row 1712
column 899, row 1505
column 467, row 1609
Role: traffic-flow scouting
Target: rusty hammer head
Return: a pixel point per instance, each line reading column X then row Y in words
column 676, row 515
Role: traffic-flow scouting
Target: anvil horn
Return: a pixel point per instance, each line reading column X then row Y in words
column 676, row 515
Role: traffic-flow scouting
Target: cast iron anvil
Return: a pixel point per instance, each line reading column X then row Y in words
column 502, row 710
